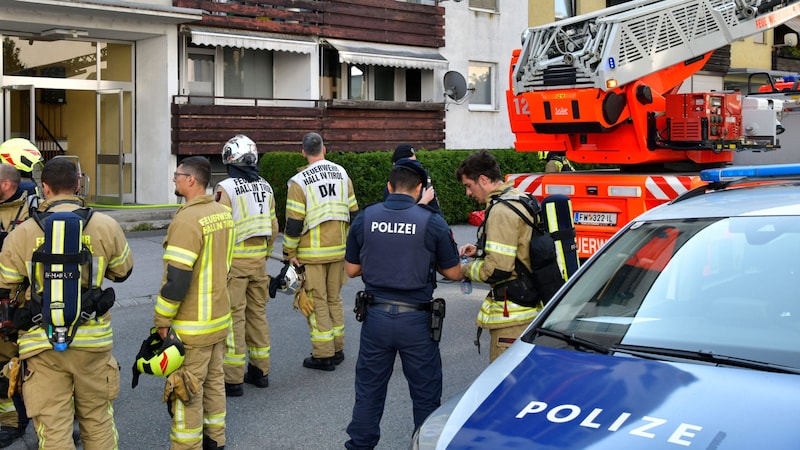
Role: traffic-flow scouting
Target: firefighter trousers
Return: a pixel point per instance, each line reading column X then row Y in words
column 58, row 383
column 502, row 338
column 8, row 412
column 324, row 283
column 206, row 414
column 249, row 335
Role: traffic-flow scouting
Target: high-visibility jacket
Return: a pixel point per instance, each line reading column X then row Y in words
column 321, row 196
column 14, row 210
column 111, row 258
column 558, row 164
column 252, row 206
column 507, row 238
column 199, row 239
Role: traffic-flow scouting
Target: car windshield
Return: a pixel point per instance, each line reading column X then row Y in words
column 721, row 286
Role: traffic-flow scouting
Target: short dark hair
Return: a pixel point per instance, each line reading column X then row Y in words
column 312, row 144
column 199, row 167
column 404, row 179
column 479, row 163
column 61, row 176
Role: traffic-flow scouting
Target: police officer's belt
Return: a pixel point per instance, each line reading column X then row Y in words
column 384, row 304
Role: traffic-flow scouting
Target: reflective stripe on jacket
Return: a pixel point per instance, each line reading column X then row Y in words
column 258, row 228
column 252, row 206
column 95, row 334
column 507, row 238
column 327, row 190
column 323, row 242
column 111, row 257
column 200, row 239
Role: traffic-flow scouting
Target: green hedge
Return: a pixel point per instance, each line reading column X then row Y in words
column 370, row 172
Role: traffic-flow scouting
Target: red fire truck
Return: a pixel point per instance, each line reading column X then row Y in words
column 603, row 87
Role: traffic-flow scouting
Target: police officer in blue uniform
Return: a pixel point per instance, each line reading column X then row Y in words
column 394, row 246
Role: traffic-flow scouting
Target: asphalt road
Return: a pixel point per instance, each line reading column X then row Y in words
column 302, row 408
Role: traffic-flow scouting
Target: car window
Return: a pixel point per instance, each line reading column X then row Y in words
column 722, row 285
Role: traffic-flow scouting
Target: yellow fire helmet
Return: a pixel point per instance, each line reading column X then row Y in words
column 159, row 357
column 20, row 153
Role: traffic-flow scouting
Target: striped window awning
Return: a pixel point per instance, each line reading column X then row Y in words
column 225, row 37
column 389, row 55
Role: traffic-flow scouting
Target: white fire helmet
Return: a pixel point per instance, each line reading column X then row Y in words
column 291, row 281
column 240, row 150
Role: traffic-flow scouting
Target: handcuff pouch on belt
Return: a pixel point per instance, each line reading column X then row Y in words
column 363, row 300
column 437, row 318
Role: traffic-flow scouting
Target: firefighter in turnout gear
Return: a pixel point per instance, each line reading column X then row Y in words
column 558, row 162
column 13, row 200
column 193, row 301
column 502, row 238
column 13, row 211
column 79, row 378
column 252, row 206
column 319, row 207
column 25, row 157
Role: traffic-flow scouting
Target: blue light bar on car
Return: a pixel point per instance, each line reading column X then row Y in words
column 738, row 173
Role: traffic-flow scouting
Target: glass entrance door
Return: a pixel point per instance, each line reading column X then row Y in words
column 19, row 112
column 114, row 163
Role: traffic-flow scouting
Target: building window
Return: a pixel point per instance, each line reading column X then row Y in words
column 760, row 38
column 331, row 74
column 384, row 83
column 73, row 60
column 565, row 8
column 248, row 73
column 490, row 5
column 229, row 72
column 357, row 82
column 413, row 85
column 200, row 72
column 482, row 83
column 377, row 83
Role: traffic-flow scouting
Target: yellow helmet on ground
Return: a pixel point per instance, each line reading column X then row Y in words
column 159, row 357
column 20, row 153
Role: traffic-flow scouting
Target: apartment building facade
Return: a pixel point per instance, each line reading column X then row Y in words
column 131, row 88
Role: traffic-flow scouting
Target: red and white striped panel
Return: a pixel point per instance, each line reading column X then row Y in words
column 666, row 187
column 527, row 183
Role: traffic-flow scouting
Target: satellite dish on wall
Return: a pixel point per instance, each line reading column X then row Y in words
column 455, row 87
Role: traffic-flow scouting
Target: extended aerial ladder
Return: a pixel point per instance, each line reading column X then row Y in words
column 603, row 87
column 600, row 80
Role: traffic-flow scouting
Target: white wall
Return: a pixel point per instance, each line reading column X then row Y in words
column 702, row 83
column 473, row 35
column 156, row 82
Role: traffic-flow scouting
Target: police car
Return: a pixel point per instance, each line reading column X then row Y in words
column 682, row 332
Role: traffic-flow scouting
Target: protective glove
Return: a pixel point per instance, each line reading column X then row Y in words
column 12, row 371
column 303, row 302
column 278, row 281
column 181, row 384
